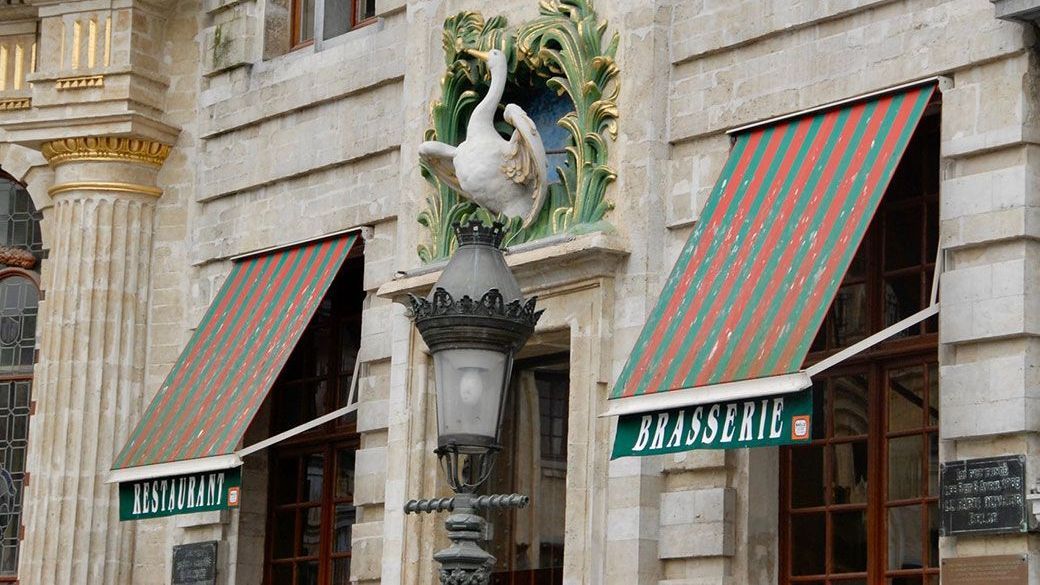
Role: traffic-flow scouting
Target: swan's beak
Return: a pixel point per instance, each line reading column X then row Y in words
column 478, row 54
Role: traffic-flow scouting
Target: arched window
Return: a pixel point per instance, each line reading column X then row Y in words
column 21, row 249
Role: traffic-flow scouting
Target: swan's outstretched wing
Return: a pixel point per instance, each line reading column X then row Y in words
column 440, row 158
column 525, row 158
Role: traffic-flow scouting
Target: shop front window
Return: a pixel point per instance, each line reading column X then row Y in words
column 528, row 543
column 21, row 249
column 311, row 510
column 858, row 504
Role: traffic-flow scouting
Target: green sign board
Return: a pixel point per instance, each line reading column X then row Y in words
column 180, row 494
column 774, row 420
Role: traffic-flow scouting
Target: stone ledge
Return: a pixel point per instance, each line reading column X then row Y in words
column 561, row 260
column 715, row 39
column 1024, row 11
column 302, row 79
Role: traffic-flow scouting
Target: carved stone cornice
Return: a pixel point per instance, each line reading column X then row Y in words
column 107, row 149
column 10, row 104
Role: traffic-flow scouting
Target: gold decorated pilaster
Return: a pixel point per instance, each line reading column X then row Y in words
column 90, row 376
column 107, row 149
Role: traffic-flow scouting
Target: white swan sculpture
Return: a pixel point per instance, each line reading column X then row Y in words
column 503, row 176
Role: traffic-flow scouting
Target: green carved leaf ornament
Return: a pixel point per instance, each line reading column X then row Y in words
column 564, row 49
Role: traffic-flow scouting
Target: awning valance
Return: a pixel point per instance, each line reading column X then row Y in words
column 754, row 281
column 197, row 419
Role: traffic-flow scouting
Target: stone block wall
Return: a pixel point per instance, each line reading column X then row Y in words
column 272, row 146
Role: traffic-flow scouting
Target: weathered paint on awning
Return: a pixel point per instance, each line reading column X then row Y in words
column 753, row 283
column 235, row 355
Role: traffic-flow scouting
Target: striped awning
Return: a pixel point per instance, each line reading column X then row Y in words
column 225, row 372
column 754, row 282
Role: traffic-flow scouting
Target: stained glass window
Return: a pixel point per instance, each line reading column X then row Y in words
column 19, row 220
column 19, row 299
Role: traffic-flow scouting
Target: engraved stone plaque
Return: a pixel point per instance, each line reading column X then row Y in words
column 983, row 495
column 997, row 570
column 195, row 564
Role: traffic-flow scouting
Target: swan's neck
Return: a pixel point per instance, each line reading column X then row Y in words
column 483, row 116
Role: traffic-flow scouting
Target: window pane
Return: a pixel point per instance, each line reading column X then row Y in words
column 337, row 17
column 933, row 464
column 904, row 538
column 810, row 533
column 850, row 406
column 849, row 473
column 305, row 24
column 902, row 298
column 345, row 473
column 849, row 549
column 314, row 472
column 933, row 535
column 909, row 580
column 807, row 476
column 18, row 306
column 307, row 573
column 341, row 572
column 849, row 312
column 903, row 237
column 904, row 467
column 285, row 481
column 284, row 534
column 310, row 535
column 905, row 398
column 366, row 9
column 282, row 573
column 345, row 517
column 19, row 220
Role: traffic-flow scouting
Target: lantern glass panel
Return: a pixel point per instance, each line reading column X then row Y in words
column 470, row 388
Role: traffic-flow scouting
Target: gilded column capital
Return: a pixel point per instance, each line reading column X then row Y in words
column 106, row 149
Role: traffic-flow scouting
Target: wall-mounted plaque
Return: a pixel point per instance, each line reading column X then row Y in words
column 195, row 563
column 983, row 495
column 999, row 570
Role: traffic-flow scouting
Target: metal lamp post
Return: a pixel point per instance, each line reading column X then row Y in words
column 474, row 322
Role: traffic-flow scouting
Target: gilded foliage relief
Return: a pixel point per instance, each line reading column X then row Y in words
column 566, row 53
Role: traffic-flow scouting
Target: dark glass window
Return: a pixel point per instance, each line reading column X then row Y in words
column 528, row 543
column 858, row 504
column 339, row 16
column 311, row 481
column 19, row 300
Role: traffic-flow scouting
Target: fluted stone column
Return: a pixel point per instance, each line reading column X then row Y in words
column 88, row 386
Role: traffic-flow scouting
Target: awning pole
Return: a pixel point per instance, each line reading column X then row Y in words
column 872, row 340
column 350, row 407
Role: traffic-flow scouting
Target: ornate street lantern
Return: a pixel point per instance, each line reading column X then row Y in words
column 474, row 322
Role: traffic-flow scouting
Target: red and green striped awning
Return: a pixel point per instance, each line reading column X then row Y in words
column 753, row 283
column 237, row 351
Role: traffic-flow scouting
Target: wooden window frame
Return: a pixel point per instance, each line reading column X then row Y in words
column 919, row 346
column 327, row 440
column 318, row 26
column 512, row 575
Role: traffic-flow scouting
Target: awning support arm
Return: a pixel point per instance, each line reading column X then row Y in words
column 865, row 344
column 350, row 407
column 872, row 340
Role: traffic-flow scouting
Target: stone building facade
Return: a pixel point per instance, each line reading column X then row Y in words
column 159, row 141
